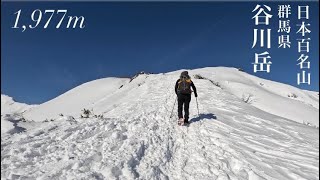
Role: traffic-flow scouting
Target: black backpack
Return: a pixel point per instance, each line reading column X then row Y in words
column 184, row 84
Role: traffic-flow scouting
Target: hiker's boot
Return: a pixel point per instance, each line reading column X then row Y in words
column 186, row 121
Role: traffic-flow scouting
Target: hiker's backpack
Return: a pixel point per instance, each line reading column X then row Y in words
column 184, row 84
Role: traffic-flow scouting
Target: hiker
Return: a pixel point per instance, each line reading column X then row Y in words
column 183, row 92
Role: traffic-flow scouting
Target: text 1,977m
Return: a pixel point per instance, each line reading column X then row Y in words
column 60, row 18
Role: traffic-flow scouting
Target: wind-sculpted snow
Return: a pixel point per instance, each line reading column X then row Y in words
column 137, row 139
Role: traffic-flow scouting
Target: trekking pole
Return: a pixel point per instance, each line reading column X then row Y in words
column 173, row 107
column 197, row 105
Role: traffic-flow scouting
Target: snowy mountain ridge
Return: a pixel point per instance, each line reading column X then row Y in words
column 248, row 128
column 9, row 106
column 261, row 93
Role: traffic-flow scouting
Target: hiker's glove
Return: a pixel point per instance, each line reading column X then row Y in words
column 196, row 95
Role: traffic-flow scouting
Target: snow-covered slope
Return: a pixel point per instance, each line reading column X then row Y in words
column 272, row 97
column 137, row 139
column 9, row 106
column 105, row 94
column 73, row 101
column 10, row 110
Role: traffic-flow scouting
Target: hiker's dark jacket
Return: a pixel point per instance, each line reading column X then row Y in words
column 192, row 85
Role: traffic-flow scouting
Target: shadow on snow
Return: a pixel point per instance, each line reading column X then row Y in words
column 202, row 117
column 16, row 129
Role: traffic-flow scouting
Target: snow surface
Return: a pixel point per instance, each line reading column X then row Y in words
column 10, row 111
column 9, row 106
column 266, row 138
column 73, row 101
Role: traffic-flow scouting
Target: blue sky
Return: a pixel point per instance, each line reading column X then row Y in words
column 121, row 39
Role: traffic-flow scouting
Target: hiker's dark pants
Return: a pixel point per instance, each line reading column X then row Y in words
column 184, row 100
